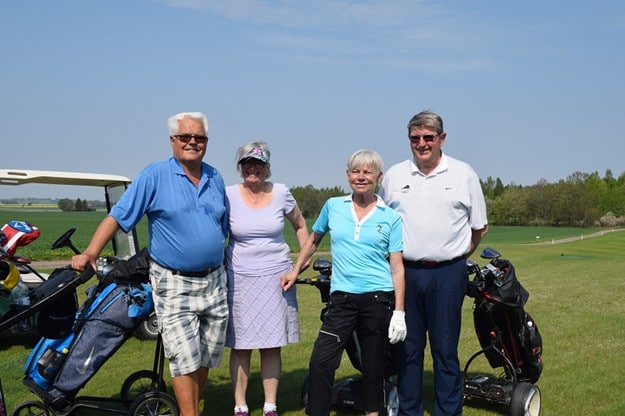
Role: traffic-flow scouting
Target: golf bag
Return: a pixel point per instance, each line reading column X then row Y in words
column 501, row 321
column 58, row 368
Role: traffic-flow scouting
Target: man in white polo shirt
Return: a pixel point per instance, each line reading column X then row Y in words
column 443, row 210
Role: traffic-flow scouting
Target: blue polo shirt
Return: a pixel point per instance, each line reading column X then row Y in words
column 187, row 225
column 359, row 249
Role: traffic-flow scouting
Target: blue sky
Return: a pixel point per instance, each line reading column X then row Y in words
column 528, row 90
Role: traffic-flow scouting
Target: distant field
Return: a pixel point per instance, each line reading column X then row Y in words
column 53, row 223
column 25, row 208
column 527, row 235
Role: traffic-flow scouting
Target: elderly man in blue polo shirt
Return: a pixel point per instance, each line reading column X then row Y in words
column 184, row 200
column 442, row 207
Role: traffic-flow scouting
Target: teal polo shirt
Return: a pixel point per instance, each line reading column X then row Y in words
column 359, row 249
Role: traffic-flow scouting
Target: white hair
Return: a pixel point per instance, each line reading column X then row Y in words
column 173, row 121
column 365, row 157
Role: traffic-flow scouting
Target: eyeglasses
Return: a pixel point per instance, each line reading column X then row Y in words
column 186, row 138
column 428, row 138
column 252, row 162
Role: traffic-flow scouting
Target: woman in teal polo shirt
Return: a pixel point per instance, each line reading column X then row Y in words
column 366, row 290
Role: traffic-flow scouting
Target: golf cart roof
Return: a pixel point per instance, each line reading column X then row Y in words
column 21, row 176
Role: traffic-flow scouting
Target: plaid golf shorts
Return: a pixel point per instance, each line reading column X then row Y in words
column 192, row 317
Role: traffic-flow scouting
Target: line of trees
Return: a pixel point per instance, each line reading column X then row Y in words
column 580, row 200
column 310, row 200
column 67, row 204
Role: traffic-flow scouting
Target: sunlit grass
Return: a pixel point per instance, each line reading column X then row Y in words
column 576, row 297
column 54, row 223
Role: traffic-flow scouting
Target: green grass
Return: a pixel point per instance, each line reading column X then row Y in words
column 576, row 291
column 53, row 223
column 504, row 235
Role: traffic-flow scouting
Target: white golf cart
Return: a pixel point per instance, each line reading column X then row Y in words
column 113, row 186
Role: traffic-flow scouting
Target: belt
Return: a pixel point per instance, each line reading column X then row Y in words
column 190, row 273
column 428, row 263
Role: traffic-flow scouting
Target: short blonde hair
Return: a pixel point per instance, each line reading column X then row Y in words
column 365, row 157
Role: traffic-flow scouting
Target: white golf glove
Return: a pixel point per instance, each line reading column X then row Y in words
column 397, row 327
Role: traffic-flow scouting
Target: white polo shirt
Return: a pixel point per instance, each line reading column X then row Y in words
column 438, row 210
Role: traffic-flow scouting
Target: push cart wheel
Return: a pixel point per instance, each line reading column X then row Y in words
column 148, row 329
column 154, row 403
column 141, row 382
column 525, row 400
column 392, row 402
column 31, row 408
column 304, row 393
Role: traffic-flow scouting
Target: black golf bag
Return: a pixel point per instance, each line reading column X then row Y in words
column 502, row 322
column 346, row 393
column 59, row 367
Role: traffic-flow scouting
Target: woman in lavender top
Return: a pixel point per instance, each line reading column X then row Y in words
column 262, row 315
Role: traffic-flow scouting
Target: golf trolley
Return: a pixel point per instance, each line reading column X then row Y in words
column 508, row 336
column 142, row 393
column 346, row 393
column 58, row 367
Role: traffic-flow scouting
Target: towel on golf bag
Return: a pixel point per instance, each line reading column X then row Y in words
column 56, row 320
column 502, row 286
column 57, row 369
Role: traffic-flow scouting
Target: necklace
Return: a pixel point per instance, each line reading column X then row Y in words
column 249, row 194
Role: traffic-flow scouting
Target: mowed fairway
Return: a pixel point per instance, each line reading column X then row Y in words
column 576, row 297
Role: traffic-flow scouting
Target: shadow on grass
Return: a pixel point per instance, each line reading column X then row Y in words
column 218, row 397
column 485, row 406
column 25, row 340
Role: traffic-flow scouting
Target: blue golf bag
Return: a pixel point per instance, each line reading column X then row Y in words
column 58, row 368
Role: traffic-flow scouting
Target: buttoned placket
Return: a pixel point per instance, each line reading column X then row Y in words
column 200, row 189
column 358, row 224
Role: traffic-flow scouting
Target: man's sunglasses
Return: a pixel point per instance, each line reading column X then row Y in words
column 428, row 138
column 186, row 138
